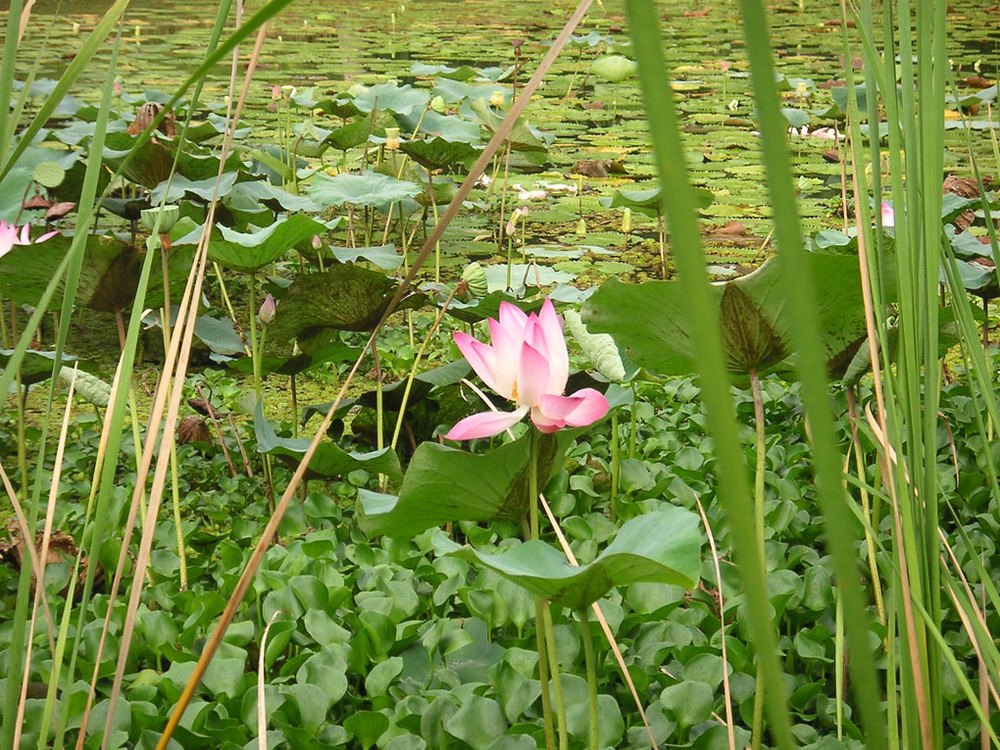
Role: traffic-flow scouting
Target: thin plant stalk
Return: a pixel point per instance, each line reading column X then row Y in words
column 591, row 661
column 759, row 532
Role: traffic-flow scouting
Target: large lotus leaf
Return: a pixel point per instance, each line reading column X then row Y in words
column 647, row 200
column 251, row 251
column 401, row 100
column 352, row 134
column 180, row 186
column 454, row 92
column 444, row 484
column 151, row 163
column 489, row 307
column 36, row 366
column 659, row 547
column 329, row 460
column 297, row 363
column 383, row 256
column 439, row 153
column 344, row 297
column 649, row 320
column 367, row 189
column 449, row 127
column 247, row 196
column 522, row 137
column 461, row 73
column 108, row 276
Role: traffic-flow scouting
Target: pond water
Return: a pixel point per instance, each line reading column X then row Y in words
column 334, row 45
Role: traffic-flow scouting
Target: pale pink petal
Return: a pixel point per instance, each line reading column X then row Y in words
column 888, row 215
column 532, row 376
column 507, row 350
column 513, row 319
column 46, row 236
column 24, row 239
column 584, row 407
column 485, row 424
column 555, row 347
column 545, row 424
column 480, row 356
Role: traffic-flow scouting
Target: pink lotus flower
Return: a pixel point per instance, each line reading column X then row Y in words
column 528, row 364
column 9, row 237
column 888, row 215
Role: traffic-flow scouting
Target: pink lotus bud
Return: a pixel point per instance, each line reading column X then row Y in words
column 267, row 310
column 276, row 93
column 724, row 65
column 317, row 243
column 117, row 88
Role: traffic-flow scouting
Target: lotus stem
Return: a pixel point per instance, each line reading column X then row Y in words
column 615, row 464
column 550, row 636
column 634, row 427
column 591, row 661
column 416, row 362
column 175, row 482
column 758, row 500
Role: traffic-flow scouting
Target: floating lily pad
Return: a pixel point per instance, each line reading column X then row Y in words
column 402, row 100
column 659, row 547
column 383, row 256
column 614, row 68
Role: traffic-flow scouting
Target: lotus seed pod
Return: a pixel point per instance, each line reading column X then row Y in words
column 475, row 278
column 392, row 139
column 438, row 105
column 168, row 216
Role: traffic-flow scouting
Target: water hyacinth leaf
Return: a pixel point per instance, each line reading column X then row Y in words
column 366, row 726
column 251, row 251
column 367, row 189
column 400, row 100
column 383, row 256
column 649, row 320
column 659, row 547
column 329, row 460
column 345, row 297
column 436, row 487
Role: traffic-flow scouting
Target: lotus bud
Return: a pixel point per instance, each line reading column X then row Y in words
column 497, row 99
column 474, row 277
column 317, row 243
column 438, row 105
column 267, row 309
column 117, row 88
column 581, row 227
column 276, row 93
column 138, row 32
column 512, row 223
column 627, row 220
column 724, row 65
column 392, row 139
column 76, row 28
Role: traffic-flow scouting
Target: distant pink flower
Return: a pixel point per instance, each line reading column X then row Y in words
column 528, row 364
column 724, row 64
column 888, row 215
column 10, row 236
column 117, row 88
column 276, row 93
